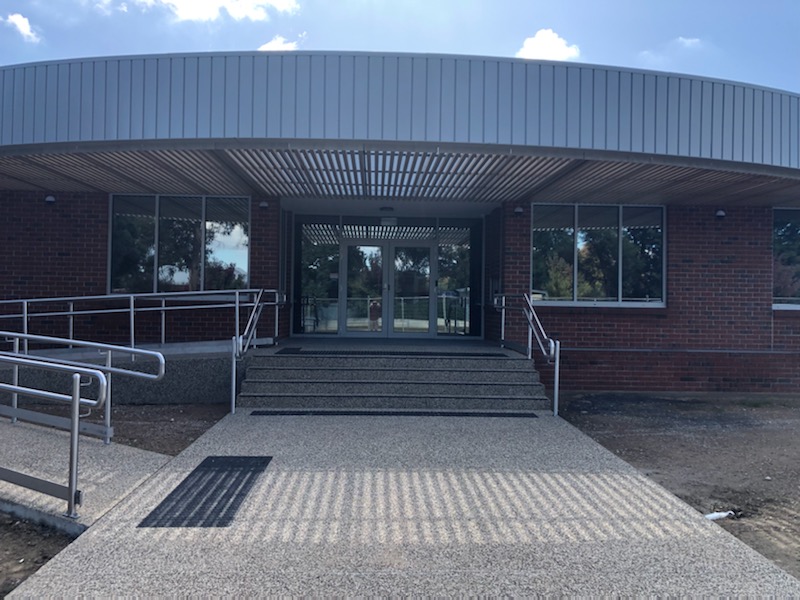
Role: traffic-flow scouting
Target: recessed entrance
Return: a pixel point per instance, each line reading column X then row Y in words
column 408, row 278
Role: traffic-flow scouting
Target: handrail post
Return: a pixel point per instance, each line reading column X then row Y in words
column 236, row 317
column 107, row 409
column 73, row 446
column 502, row 321
column 132, row 321
column 557, row 378
column 530, row 341
column 71, row 322
column 277, row 312
column 15, row 382
column 25, row 323
column 233, row 374
column 163, row 321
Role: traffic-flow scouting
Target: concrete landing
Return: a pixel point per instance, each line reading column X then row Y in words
column 402, row 505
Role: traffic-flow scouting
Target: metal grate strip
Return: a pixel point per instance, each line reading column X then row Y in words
column 210, row 495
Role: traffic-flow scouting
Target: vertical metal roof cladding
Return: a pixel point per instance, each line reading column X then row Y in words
column 396, row 98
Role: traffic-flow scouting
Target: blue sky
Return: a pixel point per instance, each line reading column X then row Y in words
column 753, row 41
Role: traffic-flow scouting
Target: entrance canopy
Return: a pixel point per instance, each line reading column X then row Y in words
column 362, row 128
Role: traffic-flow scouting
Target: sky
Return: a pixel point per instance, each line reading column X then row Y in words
column 751, row 41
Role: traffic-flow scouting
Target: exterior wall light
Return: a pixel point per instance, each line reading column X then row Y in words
column 720, row 214
column 49, row 198
column 263, row 204
column 519, row 210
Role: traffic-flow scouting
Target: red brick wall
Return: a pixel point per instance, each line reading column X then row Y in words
column 61, row 249
column 53, row 249
column 716, row 333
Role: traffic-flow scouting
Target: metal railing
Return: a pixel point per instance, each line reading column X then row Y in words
column 135, row 304
column 70, row 492
column 241, row 343
column 102, row 373
column 550, row 348
column 105, row 430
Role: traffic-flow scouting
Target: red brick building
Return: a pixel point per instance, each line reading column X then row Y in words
column 651, row 216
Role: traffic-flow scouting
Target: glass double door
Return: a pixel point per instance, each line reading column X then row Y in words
column 388, row 288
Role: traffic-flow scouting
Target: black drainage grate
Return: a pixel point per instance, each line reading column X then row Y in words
column 210, row 495
column 401, row 353
column 388, row 413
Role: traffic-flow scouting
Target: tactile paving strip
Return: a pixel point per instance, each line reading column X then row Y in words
column 210, row 495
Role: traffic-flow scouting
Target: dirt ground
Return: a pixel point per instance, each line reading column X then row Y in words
column 717, row 453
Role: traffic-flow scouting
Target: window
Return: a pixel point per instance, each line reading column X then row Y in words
column 786, row 257
column 179, row 243
column 598, row 254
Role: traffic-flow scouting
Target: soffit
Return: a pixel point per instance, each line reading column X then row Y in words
column 412, row 176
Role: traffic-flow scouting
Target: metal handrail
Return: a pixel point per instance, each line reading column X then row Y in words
column 70, row 493
column 240, row 344
column 550, row 348
column 107, row 369
column 236, row 299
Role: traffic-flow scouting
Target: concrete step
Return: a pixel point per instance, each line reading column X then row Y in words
column 392, row 401
column 429, row 374
column 367, row 387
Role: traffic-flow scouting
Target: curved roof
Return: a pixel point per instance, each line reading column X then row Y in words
column 311, row 124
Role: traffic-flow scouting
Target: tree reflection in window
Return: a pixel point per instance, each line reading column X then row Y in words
column 616, row 256
column 203, row 243
column 786, row 256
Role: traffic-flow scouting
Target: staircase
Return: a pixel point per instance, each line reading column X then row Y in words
column 487, row 380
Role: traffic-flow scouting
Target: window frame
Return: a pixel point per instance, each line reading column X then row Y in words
column 589, row 303
column 157, row 216
column 781, row 306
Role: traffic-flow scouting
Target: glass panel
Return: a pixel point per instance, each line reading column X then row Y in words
column 133, row 244
column 598, row 251
column 452, row 304
column 642, row 254
column 227, row 241
column 412, row 284
column 364, row 288
column 553, row 252
column 180, row 241
column 786, row 257
column 319, row 275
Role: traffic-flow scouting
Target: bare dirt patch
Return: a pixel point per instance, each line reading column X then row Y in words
column 24, row 546
column 717, row 453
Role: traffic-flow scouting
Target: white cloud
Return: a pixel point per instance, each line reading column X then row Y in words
column 280, row 43
column 688, row 42
column 674, row 54
column 210, row 10
column 23, row 26
column 548, row 45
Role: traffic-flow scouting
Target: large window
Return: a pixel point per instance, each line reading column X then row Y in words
column 598, row 254
column 179, row 243
column 786, row 257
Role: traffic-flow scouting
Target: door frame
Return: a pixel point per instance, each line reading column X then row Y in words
column 388, row 248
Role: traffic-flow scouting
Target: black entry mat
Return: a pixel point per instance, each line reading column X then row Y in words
column 210, row 495
column 433, row 353
column 310, row 412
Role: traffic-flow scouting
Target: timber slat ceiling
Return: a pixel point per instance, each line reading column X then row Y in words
column 412, row 175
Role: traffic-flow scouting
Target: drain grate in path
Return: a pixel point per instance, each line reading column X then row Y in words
column 432, row 353
column 210, row 495
column 311, row 412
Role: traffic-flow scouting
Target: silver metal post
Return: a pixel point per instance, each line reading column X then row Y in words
column 73, row 446
column 502, row 321
column 530, row 341
column 556, row 381
column 71, row 322
column 233, row 374
column 236, row 316
column 107, row 409
column 277, row 307
column 163, row 321
column 15, row 382
column 132, row 324
column 25, row 323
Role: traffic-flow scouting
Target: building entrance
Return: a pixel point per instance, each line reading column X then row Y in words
column 387, row 278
